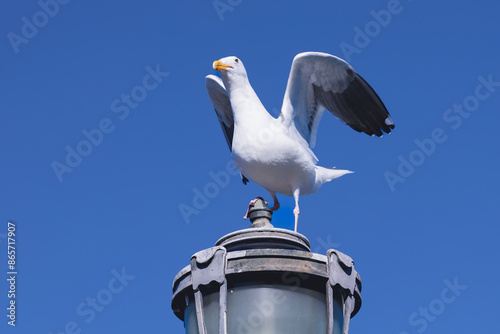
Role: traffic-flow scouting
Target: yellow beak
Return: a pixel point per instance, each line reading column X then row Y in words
column 220, row 66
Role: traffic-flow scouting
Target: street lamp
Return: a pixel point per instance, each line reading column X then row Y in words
column 266, row 280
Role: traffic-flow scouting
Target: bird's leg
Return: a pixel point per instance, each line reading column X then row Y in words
column 296, row 210
column 252, row 203
column 276, row 204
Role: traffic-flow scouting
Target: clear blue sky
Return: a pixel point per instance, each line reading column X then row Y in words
column 420, row 213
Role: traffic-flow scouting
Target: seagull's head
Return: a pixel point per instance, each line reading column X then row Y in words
column 230, row 68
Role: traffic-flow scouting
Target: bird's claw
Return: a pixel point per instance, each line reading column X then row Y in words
column 252, row 203
column 276, row 206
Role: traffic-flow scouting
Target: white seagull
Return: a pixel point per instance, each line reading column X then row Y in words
column 275, row 153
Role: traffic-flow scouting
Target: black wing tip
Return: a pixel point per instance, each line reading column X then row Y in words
column 244, row 179
column 363, row 113
column 373, row 132
column 357, row 128
column 387, row 129
column 387, row 125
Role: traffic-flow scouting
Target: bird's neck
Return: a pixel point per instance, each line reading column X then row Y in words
column 246, row 105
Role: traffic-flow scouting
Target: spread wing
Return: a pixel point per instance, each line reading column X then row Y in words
column 320, row 81
column 222, row 106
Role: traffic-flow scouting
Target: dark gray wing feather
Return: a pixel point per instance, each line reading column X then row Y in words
column 222, row 106
column 358, row 106
column 320, row 81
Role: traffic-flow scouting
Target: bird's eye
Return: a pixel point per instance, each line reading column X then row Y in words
column 236, row 60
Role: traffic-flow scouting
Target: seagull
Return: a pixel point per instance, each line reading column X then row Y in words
column 276, row 153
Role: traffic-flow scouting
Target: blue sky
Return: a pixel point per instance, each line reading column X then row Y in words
column 420, row 213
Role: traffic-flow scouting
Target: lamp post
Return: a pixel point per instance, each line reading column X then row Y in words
column 266, row 280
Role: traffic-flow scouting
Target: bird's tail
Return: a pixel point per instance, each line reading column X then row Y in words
column 326, row 174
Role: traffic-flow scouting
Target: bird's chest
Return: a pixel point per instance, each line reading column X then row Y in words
column 254, row 144
column 270, row 158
